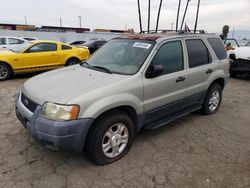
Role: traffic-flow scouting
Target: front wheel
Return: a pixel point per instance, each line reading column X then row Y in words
column 111, row 138
column 5, row 72
column 72, row 61
column 212, row 100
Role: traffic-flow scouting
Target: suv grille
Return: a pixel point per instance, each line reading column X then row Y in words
column 28, row 103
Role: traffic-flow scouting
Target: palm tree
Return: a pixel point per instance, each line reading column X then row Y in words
column 139, row 12
column 197, row 16
column 178, row 13
column 183, row 19
column 158, row 17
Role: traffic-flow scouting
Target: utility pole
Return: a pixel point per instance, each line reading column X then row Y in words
column 149, row 15
column 233, row 33
column 183, row 19
column 178, row 13
column 60, row 22
column 139, row 12
column 80, row 20
column 172, row 26
column 197, row 16
column 25, row 20
column 158, row 17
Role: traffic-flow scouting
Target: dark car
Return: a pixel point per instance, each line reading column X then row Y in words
column 77, row 42
column 93, row 45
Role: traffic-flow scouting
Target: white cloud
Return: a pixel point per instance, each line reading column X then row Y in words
column 115, row 14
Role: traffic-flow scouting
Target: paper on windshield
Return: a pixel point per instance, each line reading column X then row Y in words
column 142, row 45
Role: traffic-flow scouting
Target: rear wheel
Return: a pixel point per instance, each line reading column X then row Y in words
column 212, row 100
column 111, row 138
column 5, row 71
column 72, row 61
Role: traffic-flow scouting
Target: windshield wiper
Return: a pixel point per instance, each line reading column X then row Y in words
column 103, row 68
column 86, row 64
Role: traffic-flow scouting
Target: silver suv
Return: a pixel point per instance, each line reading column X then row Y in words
column 134, row 82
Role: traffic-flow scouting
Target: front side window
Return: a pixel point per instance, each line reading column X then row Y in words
column 2, row 41
column 121, row 56
column 15, row 41
column 198, row 54
column 170, row 55
column 43, row 47
column 233, row 42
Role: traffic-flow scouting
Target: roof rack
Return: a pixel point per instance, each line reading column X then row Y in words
column 178, row 31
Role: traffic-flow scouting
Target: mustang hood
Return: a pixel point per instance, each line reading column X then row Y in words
column 62, row 85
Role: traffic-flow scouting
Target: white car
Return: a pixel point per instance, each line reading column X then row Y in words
column 7, row 42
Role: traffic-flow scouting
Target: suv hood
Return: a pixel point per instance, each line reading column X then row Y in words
column 65, row 84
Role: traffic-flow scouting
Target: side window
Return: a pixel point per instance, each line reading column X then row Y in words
column 2, row 41
column 198, row 54
column 43, row 47
column 218, row 48
column 64, row 47
column 170, row 55
column 15, row 41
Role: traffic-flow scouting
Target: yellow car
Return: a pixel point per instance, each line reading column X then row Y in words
column 39, row 55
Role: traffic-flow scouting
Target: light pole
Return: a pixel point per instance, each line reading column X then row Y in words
column 80, row 20
column 158, row 16
column 25, row 20
column 149, row 4
column 139, row 12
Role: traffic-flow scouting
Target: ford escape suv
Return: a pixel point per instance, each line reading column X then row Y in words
column 134, row 82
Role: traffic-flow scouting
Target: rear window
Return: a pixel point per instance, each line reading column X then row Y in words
column 198, row 54
column 218, row 48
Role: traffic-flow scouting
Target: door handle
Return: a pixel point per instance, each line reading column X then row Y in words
column 180, row 79
column 209, row 71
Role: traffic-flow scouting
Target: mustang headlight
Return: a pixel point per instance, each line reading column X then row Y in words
column 60, row 112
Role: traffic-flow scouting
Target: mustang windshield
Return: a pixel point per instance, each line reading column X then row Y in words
column 122, row 56
column 21, row 47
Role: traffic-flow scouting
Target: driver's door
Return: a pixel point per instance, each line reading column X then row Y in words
column 41, row 55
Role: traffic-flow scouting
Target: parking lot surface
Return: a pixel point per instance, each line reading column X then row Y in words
column 194, row 151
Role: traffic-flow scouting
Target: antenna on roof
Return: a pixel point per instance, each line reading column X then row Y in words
column 158, row 17
column 139, row 12
column 178, row 13
column 183, row 19
column 197, row 16
column 148, row 15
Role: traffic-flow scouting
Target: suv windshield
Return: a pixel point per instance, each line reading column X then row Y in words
column 122, row 56
column 21, row 47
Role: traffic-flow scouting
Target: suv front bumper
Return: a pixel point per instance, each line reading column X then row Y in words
column 57, row 135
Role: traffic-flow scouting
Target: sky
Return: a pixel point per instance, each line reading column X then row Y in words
column 121, row 14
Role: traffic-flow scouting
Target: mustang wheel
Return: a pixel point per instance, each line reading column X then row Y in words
column 5, row 71
column 111, row 138
column 72, row 61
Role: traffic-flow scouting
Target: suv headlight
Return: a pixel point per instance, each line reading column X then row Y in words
column 60, row 112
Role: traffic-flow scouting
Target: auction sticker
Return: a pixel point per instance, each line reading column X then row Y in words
column 142, row 45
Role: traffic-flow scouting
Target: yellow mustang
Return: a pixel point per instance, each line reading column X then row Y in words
column 39, row 55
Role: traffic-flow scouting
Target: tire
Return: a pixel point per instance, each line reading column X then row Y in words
column 233, row 75
column 105, row 144
column 212, row 100
column 72, row 61
column 5, row 71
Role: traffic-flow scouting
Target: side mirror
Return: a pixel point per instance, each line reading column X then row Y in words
column 154, row 71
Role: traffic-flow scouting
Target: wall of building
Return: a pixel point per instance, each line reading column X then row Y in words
column 63, row 37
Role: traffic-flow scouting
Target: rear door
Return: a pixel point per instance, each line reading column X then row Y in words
column 165, row 95
column 200, row 68
column 41, row 55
